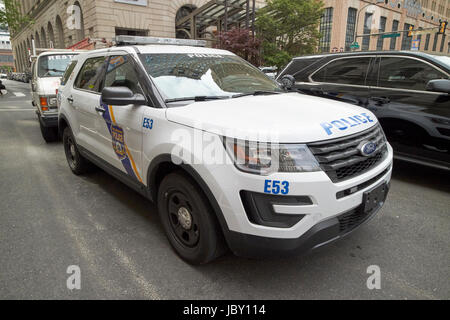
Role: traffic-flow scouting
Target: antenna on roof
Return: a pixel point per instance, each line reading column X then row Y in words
column 135, row 40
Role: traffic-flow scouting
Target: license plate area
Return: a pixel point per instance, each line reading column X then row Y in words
column 375, row 198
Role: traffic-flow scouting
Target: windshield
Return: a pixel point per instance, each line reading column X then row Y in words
column 444, row 60
column 208, row 75
column 54, row 65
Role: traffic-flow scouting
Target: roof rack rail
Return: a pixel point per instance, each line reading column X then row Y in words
column 136, row 40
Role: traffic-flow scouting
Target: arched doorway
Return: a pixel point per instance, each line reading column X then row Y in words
column 43, row 38
column 80, row 35
column 60, row 33
column 181, row 13
column 37, row 40
column 51, row 36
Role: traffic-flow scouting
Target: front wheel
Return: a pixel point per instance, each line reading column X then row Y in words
column 188, row 220
column 77, row 163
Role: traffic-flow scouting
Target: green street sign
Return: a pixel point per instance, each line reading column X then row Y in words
column 354, row 45
column 390, row 35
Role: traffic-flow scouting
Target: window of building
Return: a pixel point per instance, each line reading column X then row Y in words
column 345, row 71
column 382, row 29
column 89, row 76
column 427, row 42
column 407, row 41
column 407, row 73
column 326, row 23
column 121, row 73
column 351, row 24
column 131, row 32
column 395, row 24
column 367, row 24
column 442, row 43
column 435, row 41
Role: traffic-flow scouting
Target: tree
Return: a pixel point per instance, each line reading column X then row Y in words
column 11, row 16
column 288, row 28
column 242, row 43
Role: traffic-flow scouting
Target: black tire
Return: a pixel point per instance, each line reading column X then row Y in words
column 50, row 134
column 77, row 163
column 199, row 241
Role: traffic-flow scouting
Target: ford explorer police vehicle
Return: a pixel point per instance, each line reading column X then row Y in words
column 46, row 72
column 230, row 158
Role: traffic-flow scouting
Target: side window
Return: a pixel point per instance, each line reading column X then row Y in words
column 68, row 72
column 405, row 73
column 121, row 73
column 89, row 77
column 345, row 71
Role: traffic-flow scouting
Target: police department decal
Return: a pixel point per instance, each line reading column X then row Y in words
column 118, row 141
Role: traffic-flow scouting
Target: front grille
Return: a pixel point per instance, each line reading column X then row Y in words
column 341, row 160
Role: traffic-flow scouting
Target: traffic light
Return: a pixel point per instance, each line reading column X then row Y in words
column 442, row 27
column 411, row 28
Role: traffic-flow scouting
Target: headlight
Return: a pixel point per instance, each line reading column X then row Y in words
column 266, row 158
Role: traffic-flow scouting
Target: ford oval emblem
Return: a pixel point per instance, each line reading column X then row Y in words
column 367, row 148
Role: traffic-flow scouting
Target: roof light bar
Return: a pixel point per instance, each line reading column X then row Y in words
column 134, row 40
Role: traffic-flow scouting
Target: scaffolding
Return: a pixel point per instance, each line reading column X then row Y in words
column 221, row 14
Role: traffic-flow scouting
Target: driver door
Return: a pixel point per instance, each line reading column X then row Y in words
column 120, row 130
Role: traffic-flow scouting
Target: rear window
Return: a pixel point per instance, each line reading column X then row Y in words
column 53, row 65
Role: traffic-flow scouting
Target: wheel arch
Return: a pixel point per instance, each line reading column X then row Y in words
column 163, row 165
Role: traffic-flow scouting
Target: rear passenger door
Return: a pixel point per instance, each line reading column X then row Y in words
column 85, row 100
column 120, row 130
column 344, row 79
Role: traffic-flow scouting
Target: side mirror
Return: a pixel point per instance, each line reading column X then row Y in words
column 121, row 96
column 440, row 85
column 287, row 82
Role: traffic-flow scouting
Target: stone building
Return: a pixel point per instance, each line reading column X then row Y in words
column 342, row 17
column 55, row 24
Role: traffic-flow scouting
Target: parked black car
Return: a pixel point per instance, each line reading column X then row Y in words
column 409, row 92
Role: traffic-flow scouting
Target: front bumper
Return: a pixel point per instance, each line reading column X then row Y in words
column 50, row 120
column 321, row 234
column 320, row 224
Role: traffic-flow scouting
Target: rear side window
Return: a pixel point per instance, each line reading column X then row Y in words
column 405, row 73
column 346, row 71
column 68, row 73
column 121, row 73
column 90, row 76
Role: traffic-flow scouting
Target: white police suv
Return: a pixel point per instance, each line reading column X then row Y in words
column 229, row 157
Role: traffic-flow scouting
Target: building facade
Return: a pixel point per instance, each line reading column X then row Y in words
column 6, row 54
column 343, row 18
column 62, row 24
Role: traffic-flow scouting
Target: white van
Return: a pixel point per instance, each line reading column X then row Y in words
column 46, row 72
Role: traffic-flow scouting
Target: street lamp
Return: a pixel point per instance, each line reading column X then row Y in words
column 359, row 12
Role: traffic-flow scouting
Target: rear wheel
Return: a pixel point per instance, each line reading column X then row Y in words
column 77, row 163
column 50, row 134
column 189, row 220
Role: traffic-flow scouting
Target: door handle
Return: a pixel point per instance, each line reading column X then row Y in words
column 100, row 109
column 381, row 100
column 70, row 99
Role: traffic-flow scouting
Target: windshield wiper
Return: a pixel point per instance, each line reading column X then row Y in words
column 197, row 98
column 256, row 93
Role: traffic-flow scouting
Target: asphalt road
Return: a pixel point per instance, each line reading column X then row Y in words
column 51, row 219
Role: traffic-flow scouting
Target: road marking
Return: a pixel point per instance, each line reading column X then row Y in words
column 19, row 94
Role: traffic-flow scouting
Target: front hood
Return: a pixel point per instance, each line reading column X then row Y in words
column 289, row 118
column 47, row 86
